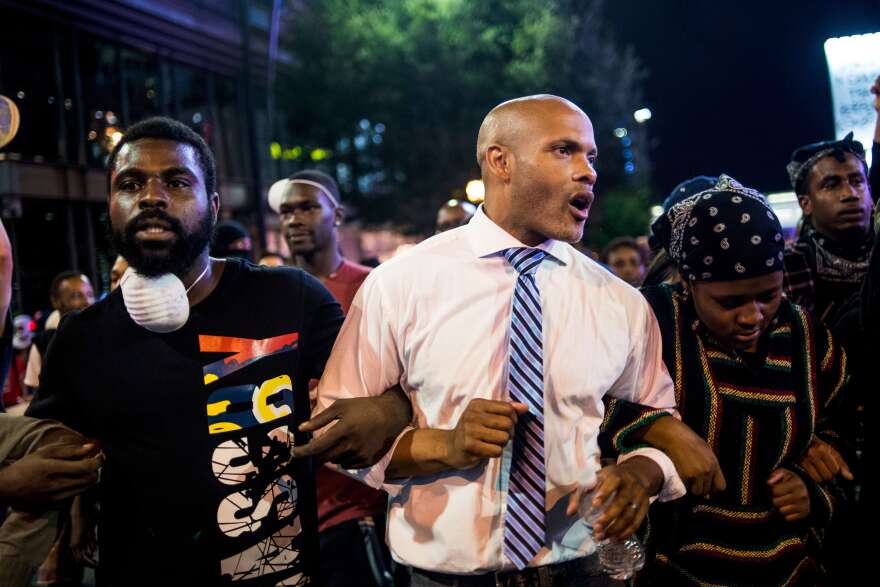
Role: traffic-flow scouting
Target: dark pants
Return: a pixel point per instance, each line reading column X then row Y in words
column 354, row 553
column 582, row 572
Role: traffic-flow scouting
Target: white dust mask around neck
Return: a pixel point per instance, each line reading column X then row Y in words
column 159, row 304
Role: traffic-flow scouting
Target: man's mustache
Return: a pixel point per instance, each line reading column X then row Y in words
column 150, row 218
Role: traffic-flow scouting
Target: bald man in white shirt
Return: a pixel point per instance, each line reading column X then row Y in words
column 447, row 321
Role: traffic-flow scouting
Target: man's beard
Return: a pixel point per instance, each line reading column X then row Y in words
column 153, row 258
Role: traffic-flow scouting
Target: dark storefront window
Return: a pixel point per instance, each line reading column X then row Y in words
column 78, row 91
column 44, row 237
column 192, row 100
column 99, row 72
column 142, row 86
column 97, row 221
column 231, row 119
column 43, row 248
column 27, row 76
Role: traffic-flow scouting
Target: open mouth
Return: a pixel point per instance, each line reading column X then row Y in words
column 154, row 229
column 579, row 204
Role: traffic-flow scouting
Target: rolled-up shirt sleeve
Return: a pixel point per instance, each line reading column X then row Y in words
column 365, row 361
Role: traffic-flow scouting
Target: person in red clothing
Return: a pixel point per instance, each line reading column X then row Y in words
column 311, row 212
column 351, row 516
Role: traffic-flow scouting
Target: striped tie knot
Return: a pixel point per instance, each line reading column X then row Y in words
column 524, row 259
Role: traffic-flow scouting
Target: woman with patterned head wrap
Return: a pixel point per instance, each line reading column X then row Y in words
column 661, row 269
column 756, row 378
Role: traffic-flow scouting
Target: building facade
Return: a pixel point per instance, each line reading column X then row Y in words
column 81, row 71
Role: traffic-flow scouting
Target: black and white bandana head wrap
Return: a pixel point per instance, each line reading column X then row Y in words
column 804, row 158
column 725, row 233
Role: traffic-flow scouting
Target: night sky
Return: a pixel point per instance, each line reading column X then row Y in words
column 735, row 86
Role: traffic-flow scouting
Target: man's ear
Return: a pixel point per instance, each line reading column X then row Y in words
column 338, row 215
column 215, row 205
column 806, row 204
column 500, row 161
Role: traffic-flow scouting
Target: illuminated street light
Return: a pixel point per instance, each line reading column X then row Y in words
column 642, row 115
column 475, row 191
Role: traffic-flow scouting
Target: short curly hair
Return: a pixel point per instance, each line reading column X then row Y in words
column 162, row 127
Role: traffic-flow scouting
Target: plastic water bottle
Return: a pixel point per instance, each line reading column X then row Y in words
column 621, row 560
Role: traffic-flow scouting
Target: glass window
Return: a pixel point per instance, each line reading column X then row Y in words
column 100, row 77
column 27, row 76
column 43, row 249
column 98, row 223
column 192, row 100
column 142, row 85
column 230, row 125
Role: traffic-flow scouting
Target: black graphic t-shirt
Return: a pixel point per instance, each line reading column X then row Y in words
column 197, row 427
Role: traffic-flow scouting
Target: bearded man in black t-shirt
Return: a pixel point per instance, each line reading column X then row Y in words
column 193, row 376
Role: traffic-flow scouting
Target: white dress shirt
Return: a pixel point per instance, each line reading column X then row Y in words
column 436, row 320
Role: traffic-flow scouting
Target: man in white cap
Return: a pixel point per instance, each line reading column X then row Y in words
column 311, row 213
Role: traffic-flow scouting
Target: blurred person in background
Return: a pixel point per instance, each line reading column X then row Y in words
column 828, row 262
column 311, row 211
column 272, row 260
column 623, row 256
column 70, row 291
column 351, row 516
column 23, row 334
column 117, row 271
column 6, row 328
column 231, row 239
column 453, row 214
column 660, row 268
column 857, row 331
column 874, row 175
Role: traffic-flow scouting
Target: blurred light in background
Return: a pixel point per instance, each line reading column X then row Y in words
column 656, row 211
column 786, row 207
column 642, row 115
column 620, row 132
column 475, row 191
column 320, row 154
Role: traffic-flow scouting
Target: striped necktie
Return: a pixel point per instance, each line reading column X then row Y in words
column 524, row 533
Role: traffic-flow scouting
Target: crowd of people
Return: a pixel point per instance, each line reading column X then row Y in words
column 443, row 418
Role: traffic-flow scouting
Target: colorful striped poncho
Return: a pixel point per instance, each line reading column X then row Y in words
column 757, row 413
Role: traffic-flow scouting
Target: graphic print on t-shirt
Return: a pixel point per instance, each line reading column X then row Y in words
column 247, row 351
column 258, row 517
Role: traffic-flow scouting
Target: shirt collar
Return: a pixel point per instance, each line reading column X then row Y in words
column 487, row 239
